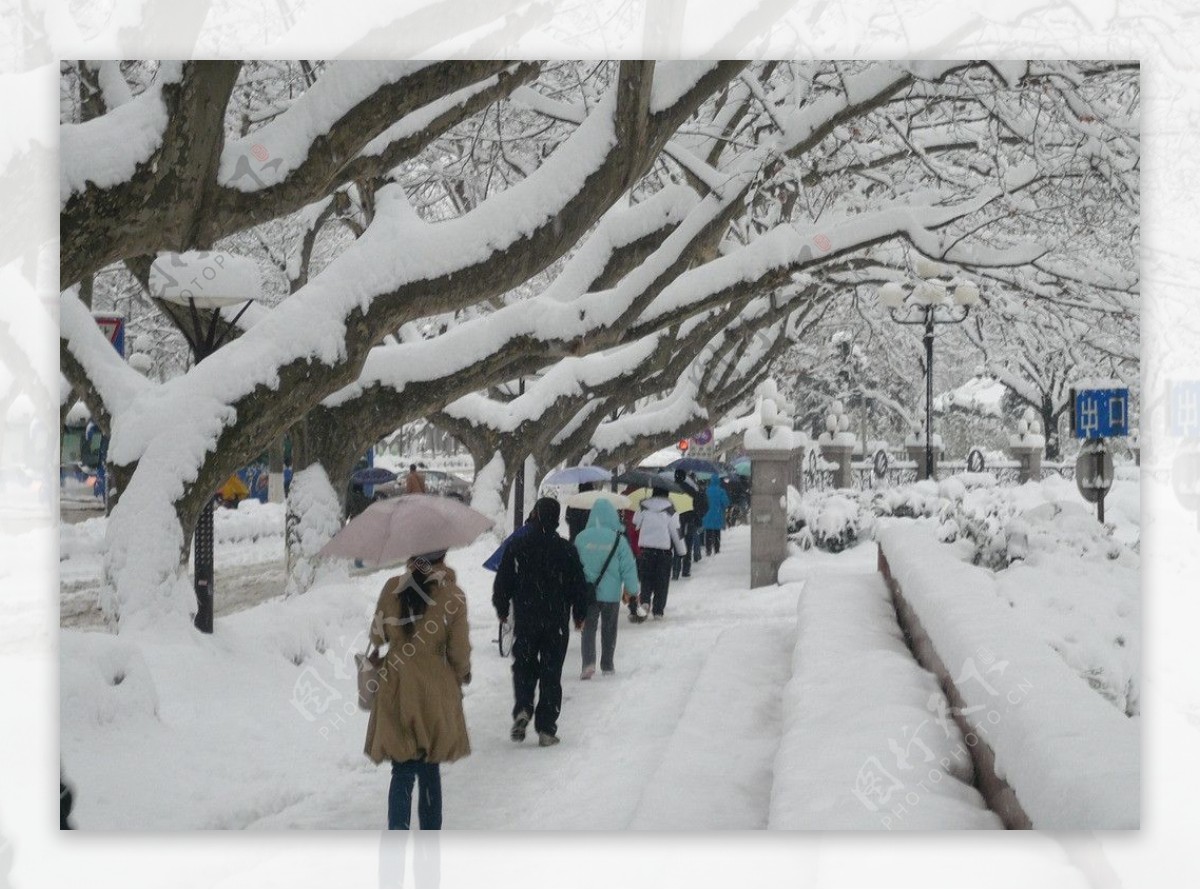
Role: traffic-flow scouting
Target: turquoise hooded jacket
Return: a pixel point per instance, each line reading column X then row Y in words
column 594, row 544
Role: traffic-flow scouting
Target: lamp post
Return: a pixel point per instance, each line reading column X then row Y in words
column 519, row 482
column 929, row 304
column 203, row 283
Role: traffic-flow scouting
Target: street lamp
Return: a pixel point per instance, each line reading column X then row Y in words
column 203, row 283
column 929, row 304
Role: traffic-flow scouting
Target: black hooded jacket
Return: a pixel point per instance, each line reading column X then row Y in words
column 540, row 575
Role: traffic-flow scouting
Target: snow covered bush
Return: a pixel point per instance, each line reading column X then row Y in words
column 1005, row 526
column 832, row 521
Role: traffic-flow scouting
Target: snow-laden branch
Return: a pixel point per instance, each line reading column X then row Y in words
column 91, row 358
column 107, row 150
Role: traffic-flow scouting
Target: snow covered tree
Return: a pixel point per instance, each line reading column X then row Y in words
column 643, row 200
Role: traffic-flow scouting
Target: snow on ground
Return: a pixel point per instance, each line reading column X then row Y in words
column 863, row 746
column 258, row 723
column 256, row 726
column 249, row 555
column 1071, row 757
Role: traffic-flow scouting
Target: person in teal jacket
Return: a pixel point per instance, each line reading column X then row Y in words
column 714, row 518
column 594, row 544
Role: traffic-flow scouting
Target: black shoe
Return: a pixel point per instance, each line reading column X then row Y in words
column 518, row 727
column 637, row 619
column 546, row 739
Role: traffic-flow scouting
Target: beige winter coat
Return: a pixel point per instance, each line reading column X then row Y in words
column 418, row 710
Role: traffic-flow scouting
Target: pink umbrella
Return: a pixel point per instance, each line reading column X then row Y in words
column 394, row 529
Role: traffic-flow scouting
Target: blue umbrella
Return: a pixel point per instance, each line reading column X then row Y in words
column 372, row 476
column 493, row 561
column 577, row 475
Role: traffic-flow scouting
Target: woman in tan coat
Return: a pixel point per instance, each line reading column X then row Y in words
column 417, row 721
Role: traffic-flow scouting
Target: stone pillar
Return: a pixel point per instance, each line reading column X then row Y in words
column 772, row 473
column 1030, row 458
column 916, row 453
column 840, row 454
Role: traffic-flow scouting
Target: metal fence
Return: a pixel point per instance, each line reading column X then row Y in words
column 904, row 472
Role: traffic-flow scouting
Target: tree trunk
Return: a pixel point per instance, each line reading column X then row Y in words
column 1050, row 428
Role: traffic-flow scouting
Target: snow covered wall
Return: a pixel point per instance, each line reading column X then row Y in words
column 1069, row 758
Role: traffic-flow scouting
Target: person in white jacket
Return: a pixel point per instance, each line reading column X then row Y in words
column 659, row 539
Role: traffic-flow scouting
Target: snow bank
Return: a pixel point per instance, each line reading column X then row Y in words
column 1071, row 758
column 105, row 680
column 885, row 757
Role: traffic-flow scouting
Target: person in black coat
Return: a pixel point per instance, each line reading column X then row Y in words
column 541, row 580
column 688, row 523
column 577, row 518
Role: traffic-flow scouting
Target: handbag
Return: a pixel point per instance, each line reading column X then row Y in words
column 369, row 677
column 592, row 585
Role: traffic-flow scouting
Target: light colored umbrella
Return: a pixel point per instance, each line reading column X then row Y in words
column 392, row 530
column 585, row 500
column 683, row 502
column 576, row 475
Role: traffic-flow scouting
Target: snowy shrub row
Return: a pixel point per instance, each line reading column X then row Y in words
column 1003, row 524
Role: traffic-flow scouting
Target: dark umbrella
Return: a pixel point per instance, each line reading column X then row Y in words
column 695, row 465
column 647, row 479
column 372, row 476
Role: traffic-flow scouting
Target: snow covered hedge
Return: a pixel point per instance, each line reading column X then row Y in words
column 1004, row 524
column 877, row 759
column 1070, row 756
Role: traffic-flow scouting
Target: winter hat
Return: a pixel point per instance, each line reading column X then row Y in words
column 680, row 475
column 547, row 511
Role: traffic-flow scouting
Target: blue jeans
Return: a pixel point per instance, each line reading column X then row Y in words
column 429, row 800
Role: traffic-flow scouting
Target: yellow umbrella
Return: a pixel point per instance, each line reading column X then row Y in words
column 682, row 502
column 233, row 490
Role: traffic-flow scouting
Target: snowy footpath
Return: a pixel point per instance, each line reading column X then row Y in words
column 256, row 727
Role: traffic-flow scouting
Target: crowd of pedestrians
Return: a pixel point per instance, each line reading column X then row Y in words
column 545, row 584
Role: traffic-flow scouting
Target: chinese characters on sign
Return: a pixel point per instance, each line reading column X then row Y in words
column 1183, row 408
column 1101, row 413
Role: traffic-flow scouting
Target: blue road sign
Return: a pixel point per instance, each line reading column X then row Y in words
column 1183, row 408
column 1101, row 413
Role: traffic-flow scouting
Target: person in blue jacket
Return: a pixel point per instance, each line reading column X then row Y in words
column 714, row 517
column 604, row 535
